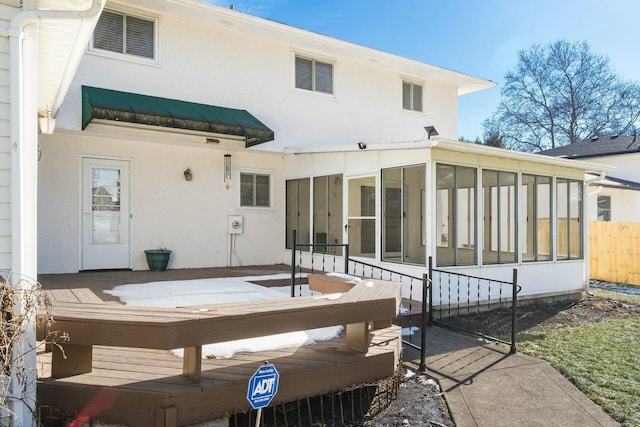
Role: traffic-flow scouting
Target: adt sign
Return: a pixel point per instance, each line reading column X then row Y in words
column 263, row 386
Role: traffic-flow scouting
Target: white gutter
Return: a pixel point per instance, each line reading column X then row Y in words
column 23, row 47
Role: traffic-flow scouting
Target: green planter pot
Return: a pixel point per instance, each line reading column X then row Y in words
column 157, row 259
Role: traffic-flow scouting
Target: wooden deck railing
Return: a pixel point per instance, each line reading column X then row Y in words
column 360, row 306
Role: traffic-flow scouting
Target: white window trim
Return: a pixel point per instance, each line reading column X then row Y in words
column 126, row 57
column 313, row 57
column 413, row 82
column 256, row 171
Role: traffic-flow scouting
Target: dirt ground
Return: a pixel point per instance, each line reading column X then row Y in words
column 420, row 402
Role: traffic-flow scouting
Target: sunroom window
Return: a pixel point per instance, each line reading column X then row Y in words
column 403, row 230
column 298, row 209
column 327, row 212
column 456, row 205
column 536, row 206
column 569, row 219
column 499, row 225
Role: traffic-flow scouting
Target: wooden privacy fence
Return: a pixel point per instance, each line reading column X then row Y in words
column 614, row 251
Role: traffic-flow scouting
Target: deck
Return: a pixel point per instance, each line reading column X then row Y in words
column 148, row 387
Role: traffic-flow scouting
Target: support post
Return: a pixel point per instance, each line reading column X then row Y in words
column 431, row 291
column 192, row 363
column 72, row 360
column 514, row 304
column 293, row 264
column 346, row 259
column 423, row 323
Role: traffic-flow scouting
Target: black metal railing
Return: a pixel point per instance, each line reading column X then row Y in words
column 465, row 301
column 317, row 257
column 414, row 284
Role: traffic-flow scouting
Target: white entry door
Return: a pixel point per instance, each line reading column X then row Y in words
column 105, row 214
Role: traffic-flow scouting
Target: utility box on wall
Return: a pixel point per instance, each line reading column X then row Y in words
column 235, row 224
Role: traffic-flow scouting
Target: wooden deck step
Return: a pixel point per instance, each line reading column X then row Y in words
column 143, row 387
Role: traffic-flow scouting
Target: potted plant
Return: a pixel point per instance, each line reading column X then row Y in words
column 157, row 259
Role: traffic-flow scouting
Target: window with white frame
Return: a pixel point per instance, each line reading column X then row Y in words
column 411, row 96
column 126, row 34
column 604, row 208
column 499, row 192
column 536, row 206
column 456, row 206
column 569, row 244
column 255, row 190
column 314, row 75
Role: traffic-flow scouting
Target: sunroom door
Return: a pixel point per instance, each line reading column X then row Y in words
column 362, row 217
column 105, row 214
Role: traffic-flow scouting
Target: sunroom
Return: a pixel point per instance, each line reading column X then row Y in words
column 471, row 208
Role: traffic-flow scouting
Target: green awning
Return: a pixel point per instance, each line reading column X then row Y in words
column 128, row 107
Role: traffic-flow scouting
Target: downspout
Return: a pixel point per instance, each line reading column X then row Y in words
column 23, row 101
column 585, row 232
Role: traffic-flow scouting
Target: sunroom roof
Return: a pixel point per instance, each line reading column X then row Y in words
column 106, row 104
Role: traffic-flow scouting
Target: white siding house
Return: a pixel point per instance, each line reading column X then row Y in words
column 173, row 117
column 41, row 44
column 334, row 124
column 616, row 197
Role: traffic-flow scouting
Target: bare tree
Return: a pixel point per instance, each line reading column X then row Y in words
column 560, row 94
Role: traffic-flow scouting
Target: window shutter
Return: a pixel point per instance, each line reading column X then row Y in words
column 140, row 37
column 108, row 34
column 303, row 73
column 324, row 77
column 417, row 98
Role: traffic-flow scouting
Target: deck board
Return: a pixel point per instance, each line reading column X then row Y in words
column 151, row 379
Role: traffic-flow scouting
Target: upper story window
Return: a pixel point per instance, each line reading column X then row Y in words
column 314, row 75
column 411, row 96
column 125, row 34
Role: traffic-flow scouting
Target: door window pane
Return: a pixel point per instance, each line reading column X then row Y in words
column 105, row 206
column 362, row 220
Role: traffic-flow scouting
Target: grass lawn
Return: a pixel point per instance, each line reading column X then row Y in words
column 602, row 358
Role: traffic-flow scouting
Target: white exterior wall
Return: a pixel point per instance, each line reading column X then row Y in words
column 7, row 11
column 190, row 218
column 625, row 204
column 219, row 66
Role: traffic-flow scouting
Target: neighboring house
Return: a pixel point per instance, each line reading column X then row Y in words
column 616, row 197
column 279, row 127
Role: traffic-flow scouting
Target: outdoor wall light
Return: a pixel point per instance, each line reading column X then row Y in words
column 46, row 122
column 362, row 145
column 431, row 131
column 188, row 175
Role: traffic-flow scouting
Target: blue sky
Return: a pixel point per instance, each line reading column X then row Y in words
column 477, row 37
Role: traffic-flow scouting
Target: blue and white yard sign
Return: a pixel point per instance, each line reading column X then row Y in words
column 263, row 386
